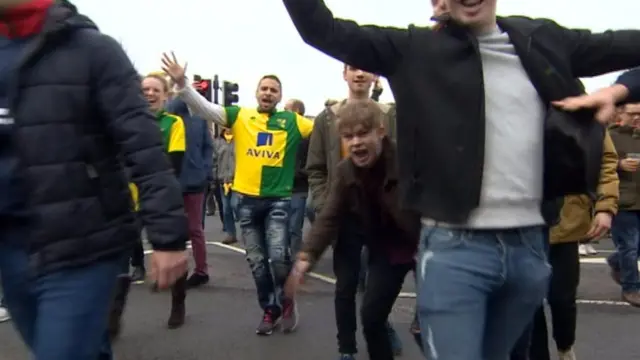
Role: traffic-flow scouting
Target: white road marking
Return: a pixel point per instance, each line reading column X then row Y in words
column 412, row 295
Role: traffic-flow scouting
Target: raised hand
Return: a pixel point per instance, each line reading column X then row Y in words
column 172, row 67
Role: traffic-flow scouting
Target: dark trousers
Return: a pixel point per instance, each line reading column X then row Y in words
column 346, row 267
column 563, row 288
column 217, row 196
column 384, row 282
column 137, row 255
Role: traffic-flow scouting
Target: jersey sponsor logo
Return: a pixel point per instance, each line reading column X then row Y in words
column 264, row 154
column 264, row 139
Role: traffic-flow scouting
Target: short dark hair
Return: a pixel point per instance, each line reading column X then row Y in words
column 272, row 77
column 365, row 113
column 298, row 106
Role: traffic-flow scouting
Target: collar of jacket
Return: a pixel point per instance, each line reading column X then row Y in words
column 390, row 162
column 24, row 20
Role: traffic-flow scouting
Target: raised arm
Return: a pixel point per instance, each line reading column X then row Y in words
column 197, row 104
column 375, row 49
column 631, row 80
column 594, row 54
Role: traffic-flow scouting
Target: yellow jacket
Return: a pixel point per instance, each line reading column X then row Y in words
column 577, row 211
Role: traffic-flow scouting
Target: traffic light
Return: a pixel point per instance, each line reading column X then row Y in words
column 203, row 86
column 230, row 93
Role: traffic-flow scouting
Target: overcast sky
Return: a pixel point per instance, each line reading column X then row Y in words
column 242, row 40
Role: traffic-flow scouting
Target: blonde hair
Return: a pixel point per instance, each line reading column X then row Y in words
column 160, row 77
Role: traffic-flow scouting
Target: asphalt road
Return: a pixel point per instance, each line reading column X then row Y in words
column 222, row 316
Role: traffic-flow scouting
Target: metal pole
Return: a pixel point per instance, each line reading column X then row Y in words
column 216, row 87
column 216, row 100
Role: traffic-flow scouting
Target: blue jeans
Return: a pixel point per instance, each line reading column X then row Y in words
column 625, row 232
column 296, row 221
column 480, row 289
column 228, row 213
column 264, row 223
column 62, row 315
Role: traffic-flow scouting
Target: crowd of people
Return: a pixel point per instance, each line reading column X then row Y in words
column 484, row 178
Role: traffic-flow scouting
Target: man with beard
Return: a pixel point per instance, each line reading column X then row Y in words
column 474, row 106
column 266, row 141
column 325, row 152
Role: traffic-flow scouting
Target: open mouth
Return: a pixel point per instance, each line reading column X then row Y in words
column 471, row 3
column 360, row 155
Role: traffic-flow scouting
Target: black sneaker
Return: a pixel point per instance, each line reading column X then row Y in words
column 197, row 280
column 138, row 275
column 289, row 316
column 268, row 324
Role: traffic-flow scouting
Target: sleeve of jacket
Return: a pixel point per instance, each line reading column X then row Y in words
column 207, row 150
column 631, row 80
column 127, row 119
column 301, row 158
column 608, row 193
column 317, row 161
column 326, row 225
column 375, row 49
column 593, row 54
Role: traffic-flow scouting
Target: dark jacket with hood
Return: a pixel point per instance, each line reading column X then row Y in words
column 436, row 79
column 77, row 105
column 197, row 164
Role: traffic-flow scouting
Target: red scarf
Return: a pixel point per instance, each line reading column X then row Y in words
column 25, row 19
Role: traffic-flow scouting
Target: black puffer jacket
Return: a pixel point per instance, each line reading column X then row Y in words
column 77, row 104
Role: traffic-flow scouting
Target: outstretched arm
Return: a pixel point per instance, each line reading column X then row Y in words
column 375, row 49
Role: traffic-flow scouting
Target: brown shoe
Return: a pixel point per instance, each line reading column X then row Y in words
column 633, row 298
column 230, row 240
column 178, row 295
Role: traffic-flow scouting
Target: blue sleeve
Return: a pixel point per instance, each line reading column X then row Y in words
column 207, row 150
column 631, row 80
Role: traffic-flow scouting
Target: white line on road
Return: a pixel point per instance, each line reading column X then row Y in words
column 412, row 295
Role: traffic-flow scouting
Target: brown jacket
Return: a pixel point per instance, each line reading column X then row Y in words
column 395, row 234
column 325, row 150
column 627, row 140
column 577, row 211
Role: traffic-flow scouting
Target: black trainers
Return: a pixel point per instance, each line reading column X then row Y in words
column 138, row 275
column 197, row 280
column 289, row 316
column 268, row 324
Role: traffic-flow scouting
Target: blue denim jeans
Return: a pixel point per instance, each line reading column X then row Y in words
column 228, row 213
column 264, row 223
column 62, row 315
column 480, row 289
column 625, row 232
column 296, row 221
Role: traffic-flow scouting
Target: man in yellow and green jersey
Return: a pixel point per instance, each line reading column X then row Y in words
column 266, row 142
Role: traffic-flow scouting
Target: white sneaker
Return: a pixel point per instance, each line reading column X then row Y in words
column 4, row 315
column 567, row 355
column 590, row 249
column 582, row 250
